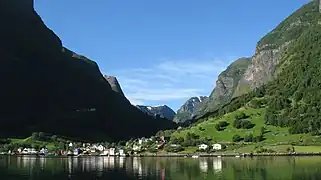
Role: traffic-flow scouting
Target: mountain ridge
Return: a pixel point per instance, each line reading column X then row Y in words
column 48, row 88
column 162, row 110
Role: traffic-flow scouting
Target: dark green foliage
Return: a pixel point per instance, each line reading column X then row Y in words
column 201, row 129
column 258, row 138
column 249, row 138
column 257, row 103
column 240, row 116
column 220, row 126
column 223, row 123
column 241, row 123
column 174, row 149
column 237, row 138
column 175, row 140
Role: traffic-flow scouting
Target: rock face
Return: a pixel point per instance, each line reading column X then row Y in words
column 189, row 109
column 115, row 86
column 271, row 48
column 246, row 74
column 226, row 84
column 48, row 88
column 163, row 111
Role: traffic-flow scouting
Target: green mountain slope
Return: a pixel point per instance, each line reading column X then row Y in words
column 271, row 49
column 289, row 106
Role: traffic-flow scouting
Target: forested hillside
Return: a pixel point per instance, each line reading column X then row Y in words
column 285, row 106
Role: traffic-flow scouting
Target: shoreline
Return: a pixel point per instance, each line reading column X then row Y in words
column 237, row 155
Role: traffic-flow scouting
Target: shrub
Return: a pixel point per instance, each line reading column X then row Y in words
column 174, row 149
column 240, row 116
column 218, row 127
column 258, row 138
column 237, row 138
column 245, row 124
column 248, row 138
column 223, row 123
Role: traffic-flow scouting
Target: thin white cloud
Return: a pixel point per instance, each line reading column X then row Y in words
column 170, row 80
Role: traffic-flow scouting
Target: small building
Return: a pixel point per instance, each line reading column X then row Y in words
column 76, row 152
column 43, row 151
column 203, row 147
column 71, row 145
column 29, row 151
column 105, row 152
column 217, row 146
column 122, row 152
column 112, row 152
column 100, row 148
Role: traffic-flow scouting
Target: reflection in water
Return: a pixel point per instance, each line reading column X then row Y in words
column 269, row 168
column 217, row 164
column 203, row 165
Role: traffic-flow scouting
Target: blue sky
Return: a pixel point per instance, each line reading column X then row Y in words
column 164, row 51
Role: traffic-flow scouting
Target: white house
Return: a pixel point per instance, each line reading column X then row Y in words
column 203, row 147
column 70, row 144
column 140, row 142
column 217, row 146
column 122, row 152
column 112, row 152
column 43, row 151
column 29, row 151
column 105, row 152
column 100, row 148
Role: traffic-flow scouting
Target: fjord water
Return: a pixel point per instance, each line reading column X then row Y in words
column 263, row 168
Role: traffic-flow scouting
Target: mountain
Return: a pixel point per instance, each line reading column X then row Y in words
column 163, row 111
column 226, row 85
column 285, row 76
column 115, row 86
column 246, row 74
column 46, row 87
column 277, row 100
column 189, row 109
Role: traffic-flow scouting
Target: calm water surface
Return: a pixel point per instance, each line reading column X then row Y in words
column 265, row 168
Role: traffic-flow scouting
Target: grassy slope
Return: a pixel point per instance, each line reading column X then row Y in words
column 276, row 138
column 30, row 141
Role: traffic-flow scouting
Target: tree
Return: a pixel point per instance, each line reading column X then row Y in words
column 42, row 136
column 248, row 138
column 218, row 127
column 237, row 138
column 240, row 115
column 35, row 136
column 54, row 138
column 223, row 123
column 262, row 130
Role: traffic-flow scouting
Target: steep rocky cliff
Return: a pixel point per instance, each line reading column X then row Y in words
column 189, row 109
column 226, row 84
column 271, row 48
column 46, row 87
column 115, row 86
column 162, row 111
column 246, row 74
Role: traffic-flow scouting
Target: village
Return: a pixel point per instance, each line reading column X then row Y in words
column 134, row 147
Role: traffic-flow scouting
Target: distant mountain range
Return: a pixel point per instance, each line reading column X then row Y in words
column 163, row 111
column 189, row 109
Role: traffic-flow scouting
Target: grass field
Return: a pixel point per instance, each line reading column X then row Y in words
column 30, row 141
column 276, row 138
